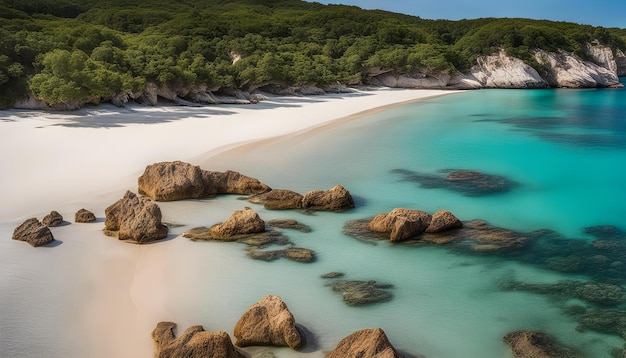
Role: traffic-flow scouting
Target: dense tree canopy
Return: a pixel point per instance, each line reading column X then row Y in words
column 63, row 50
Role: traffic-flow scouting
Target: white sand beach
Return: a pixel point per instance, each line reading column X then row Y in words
column 89, row 295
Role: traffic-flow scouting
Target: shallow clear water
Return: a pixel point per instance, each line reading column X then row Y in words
column 565, row 151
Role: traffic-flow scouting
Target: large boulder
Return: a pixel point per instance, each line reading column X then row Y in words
column 168, row 181
column 401, row 223
column 33, row 232
column 525, row 344
column 53, row 219
column 268, row 322
column 365, row 343
column 335, row 199
column 443, row 220
column 241, row 222
column 84, row 216
column 195, row 342
column 135, row 219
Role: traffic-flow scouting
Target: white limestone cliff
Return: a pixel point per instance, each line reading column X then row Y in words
column 502, row 71
column 567, row 70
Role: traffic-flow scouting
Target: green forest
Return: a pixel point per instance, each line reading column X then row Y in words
column 61, row 50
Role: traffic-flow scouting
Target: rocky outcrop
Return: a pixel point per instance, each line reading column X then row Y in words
column 268, row 322
column 602, row 56
column 53, row 219
column 502, row 71
column 134, row 219
column 610, row 321
column 526, row 344
column 568, row 70
column 401, row 223
column 620, row 61
column 84, row 216
column 33, row 232
column 195, row 342
column 365, row 343
column 241, row 222
column 168, row 181
column 334, row 199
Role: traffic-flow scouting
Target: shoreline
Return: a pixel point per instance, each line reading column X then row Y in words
column 108, row 290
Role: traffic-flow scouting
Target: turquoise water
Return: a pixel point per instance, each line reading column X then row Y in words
column 564, row 150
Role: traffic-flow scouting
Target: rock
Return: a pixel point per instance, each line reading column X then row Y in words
column 231, row 182
column 334, row 199
column 466, row 182
column 503, row 71
column 241, row 222
column 609, row 321
column 84, row 216
column 134, row 219
column 278, row 199
column 443, row 220
column 265, row 255
column 358, row 293
column 289, row 224
column 620, row 61
column 195, row 342
column 53, row 219
column 168, row 181
column 299, row 254
column 401, row 224
column 268, row 322
column 33, row 232
column 604, row 294
column 365, row 343
column 525, row 344
column 602, row 56
column 332, row 275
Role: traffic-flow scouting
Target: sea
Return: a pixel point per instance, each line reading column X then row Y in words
column 559, row 157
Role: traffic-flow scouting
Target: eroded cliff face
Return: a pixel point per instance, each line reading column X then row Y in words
column 502, row 71
column 499, row 70
column 570, row 71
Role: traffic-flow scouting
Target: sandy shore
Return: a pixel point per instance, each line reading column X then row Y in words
column 89, row 296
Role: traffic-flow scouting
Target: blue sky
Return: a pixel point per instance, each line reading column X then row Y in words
column 607, row 13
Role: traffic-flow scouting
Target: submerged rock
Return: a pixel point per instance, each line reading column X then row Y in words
column 53, row 219
column 293, row 253
column 288, row 224
column 466, row 182
column 610, row 321
column 168, row 181
column 268, row 323
column 134, row 219
column 84, row 216
column 365, row 343
column 33, row 232
column 195, row 342
column 525, row 344
column 443, row 220
column 603, row 294
column 357, row 293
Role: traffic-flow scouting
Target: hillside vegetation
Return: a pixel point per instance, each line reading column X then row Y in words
column 62, row 50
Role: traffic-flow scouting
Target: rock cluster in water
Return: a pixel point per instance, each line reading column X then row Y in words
column 269, row 322
column 466, row 182
column 245, row 226
column 334, row 199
